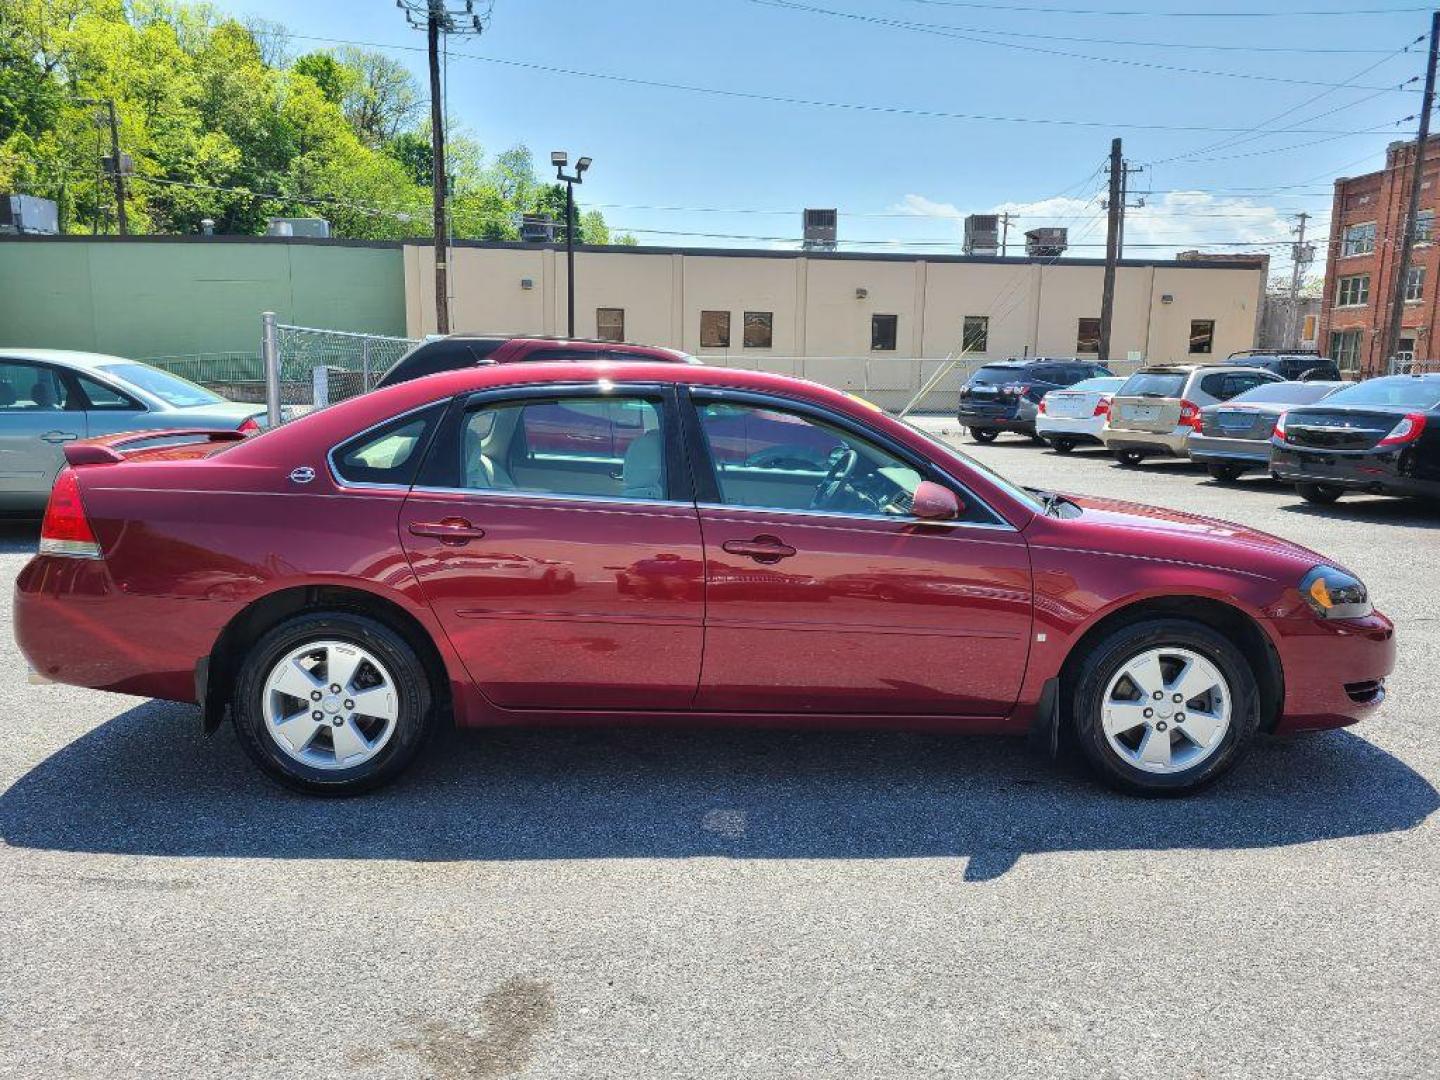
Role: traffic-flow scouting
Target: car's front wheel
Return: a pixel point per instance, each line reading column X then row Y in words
column 983, row 435
column 332, row 703
column 1164, row 706
column 1323, row 494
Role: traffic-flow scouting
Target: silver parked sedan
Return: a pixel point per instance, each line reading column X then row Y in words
column 49, row 397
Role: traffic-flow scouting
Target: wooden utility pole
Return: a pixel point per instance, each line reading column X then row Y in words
column 437, row 175
column 1112, row 248
column 1407, row 243
column 1299, row 259
column 1004, row 235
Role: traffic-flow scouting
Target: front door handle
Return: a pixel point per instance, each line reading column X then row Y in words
column 59, row 436
column 763, row 549
column 454, row 531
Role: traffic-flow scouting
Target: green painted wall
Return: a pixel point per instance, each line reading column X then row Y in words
column 152, row 297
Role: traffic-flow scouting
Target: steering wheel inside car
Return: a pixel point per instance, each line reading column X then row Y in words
column 843, row 463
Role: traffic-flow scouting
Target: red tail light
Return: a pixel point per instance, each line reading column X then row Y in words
column 1279, row 432
column 249, row 427
column 1406, row 431
column 1190, row 415
column 1041, row 410
column 1102, row 407
column 66, row 530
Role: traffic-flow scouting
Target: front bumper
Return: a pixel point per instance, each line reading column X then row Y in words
column 1381, row 471
column 1167, row 443
column 1335, row 669
column 1217, row 450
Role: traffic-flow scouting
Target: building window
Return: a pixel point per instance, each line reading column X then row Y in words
column 610, row 323
column 1353, row 291
column 1087, row 336
column 1414, row 284
column 1424, row 226
column 714, row 329
column 1202, row 336
column 759, row 329
column 1345, row 348
column 975, row 334
column 1358, row 239
column 883, row 331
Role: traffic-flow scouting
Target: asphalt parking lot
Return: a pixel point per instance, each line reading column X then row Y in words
column 563, row 904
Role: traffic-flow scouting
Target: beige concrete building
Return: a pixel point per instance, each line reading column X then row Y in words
column 865, row 322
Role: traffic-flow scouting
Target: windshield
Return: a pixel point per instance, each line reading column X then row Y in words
column 1096, row 386
column 1017, row 493
column 994, row 376
column 1287, row 393
column 1403, row 390
column 171, row 389
column 1162, row 384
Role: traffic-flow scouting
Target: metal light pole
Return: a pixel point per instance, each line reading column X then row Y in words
column 560, row 159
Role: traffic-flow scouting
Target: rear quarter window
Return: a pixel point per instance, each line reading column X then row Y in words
column 389, row 454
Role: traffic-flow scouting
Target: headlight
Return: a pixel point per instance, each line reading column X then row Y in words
column 1334, row 594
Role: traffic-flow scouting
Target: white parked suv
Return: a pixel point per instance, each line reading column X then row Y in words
column 1158, row 408
column 1075, row 415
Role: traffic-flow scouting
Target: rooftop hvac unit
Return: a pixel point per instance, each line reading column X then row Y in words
column 982, row 234
column 820, row 229
column 537, row 229
column 1048, row 243
column 28, row 214
column 314, row 227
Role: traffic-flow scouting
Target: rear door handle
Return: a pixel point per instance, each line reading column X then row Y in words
column 59, row 436
column 457, row 532
column 763, row 549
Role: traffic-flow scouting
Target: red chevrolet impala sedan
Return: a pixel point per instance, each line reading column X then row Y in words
column 619, row 543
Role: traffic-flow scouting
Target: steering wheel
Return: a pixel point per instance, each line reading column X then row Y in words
column 843, row 463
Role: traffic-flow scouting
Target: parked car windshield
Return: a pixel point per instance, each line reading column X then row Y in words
column 1154, row 384
column 994, row 376
column 1403, row 390
column 1287, row 393
column 171, row 389
column 1102, row 385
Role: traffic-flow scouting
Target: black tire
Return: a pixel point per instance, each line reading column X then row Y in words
column 1127, row 457
column 1063, row 446
column 1226, row 474
column 415, row 695
column 1110, row 654
column 984, row 435
column 1321, row 494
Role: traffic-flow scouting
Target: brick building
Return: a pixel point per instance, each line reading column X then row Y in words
column 1365, row 239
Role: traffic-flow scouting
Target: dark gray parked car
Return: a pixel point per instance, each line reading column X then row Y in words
column 1234, row 435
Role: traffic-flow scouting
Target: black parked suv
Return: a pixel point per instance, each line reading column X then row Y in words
column 1005, row 395
column 1293, row 365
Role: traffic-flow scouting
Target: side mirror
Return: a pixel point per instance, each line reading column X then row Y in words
column 935, row 503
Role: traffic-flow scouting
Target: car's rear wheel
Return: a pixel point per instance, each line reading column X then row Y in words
column 1128, row 458
column 1164, row 706
column 1319, row 493
column 983, row 435
column 1063, row 446
column 332, row 703
column 1225, row 473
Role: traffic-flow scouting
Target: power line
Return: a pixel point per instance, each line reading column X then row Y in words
column 843, row 106
column 1122, row 61
column 947, row 29
column 973, row 5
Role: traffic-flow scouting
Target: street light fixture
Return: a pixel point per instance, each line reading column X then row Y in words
column 559, row 158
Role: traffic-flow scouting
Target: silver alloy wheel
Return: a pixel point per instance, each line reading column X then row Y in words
column 330, row 705
column 1166, row 710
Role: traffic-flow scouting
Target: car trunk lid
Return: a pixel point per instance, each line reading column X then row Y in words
column 1072, row 404
column 1144, row 413
column 1339, row 429
column 1238, row 422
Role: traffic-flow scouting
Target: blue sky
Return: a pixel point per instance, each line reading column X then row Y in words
column 905, row 179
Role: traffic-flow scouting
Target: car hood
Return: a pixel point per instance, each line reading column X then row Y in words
column 1134, row 528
